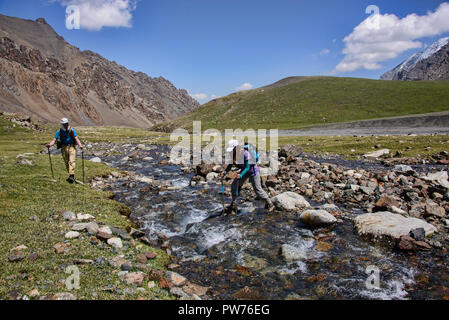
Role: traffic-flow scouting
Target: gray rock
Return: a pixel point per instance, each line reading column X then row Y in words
column 390, row 225
column 289, row 201
column 72, row 235
column 116, row 243
column 316, row 218
column 377, row 154
column 96, row 160
column 69, row 215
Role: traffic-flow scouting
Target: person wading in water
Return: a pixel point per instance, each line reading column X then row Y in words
column 248, row 170
column 66, row 140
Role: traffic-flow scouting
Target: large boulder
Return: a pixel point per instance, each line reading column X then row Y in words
column 389, row 226
column 317, row 218
column 289, row 201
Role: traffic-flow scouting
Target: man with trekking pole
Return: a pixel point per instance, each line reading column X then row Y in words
column 66, row 140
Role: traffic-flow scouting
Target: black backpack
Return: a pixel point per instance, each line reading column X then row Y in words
column 59, row 142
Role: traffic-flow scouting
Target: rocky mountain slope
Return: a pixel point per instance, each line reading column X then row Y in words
column 431, row 64
column 44, row 76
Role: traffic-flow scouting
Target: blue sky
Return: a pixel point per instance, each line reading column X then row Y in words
column 213, row 47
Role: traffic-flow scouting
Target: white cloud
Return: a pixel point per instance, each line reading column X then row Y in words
column 96, row 14
column 324, row 52
column 384, row 37
column 245, row 86
column 199, row 96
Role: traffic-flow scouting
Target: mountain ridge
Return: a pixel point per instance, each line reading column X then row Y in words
column 45, row 76
column 430, row 64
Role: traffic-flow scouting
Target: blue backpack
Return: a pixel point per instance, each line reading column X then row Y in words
column 253, row 151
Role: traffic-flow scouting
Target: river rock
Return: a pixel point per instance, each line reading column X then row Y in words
column 316, row 218
column 390, row 225
column 96, row 160
column 291, row 253
column 289, row 201
column 377, row 154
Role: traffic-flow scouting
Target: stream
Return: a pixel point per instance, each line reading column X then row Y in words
column 230, row 253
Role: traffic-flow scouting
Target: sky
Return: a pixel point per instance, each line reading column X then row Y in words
column 213, row 48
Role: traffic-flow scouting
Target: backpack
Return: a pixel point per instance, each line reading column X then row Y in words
column 253, row 151
column 59, row 142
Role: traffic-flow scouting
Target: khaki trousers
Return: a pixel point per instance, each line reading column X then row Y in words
column 69, row 155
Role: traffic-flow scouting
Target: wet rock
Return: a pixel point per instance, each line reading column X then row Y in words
column 134, row 278
column 377, row 154
column 390, row 225
column 289, row 201
column 317, row 218
column 175, row 278
column 72, row 235
column 405, row 243
column 291, row 253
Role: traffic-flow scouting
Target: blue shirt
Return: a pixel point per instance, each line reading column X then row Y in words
column 66, row 138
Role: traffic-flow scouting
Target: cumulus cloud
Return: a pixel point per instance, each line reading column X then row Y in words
column 96, row 14
column 245, row 86
column 199, row 96
column 383, row 37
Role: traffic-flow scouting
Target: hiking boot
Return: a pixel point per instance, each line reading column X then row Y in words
column 71, row 179
column 231, row 209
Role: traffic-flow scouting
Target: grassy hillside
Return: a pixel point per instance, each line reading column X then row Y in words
column 300, row 102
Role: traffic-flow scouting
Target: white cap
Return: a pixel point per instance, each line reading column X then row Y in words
column 64, row 121
column 231, row 145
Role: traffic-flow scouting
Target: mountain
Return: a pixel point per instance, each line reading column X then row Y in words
column 431, row 64
column 44, row 76
column 299, row 102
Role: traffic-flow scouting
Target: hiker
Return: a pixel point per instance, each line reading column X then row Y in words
column 67, row 139
column 247, row 170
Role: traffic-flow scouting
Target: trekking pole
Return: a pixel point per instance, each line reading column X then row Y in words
column 82, row 157
column 237, row 197
column 51, row 164
column 222, row 194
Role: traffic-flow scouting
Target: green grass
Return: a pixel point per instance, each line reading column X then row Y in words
column 316, row 101
column 407, row 146
column 29, row 191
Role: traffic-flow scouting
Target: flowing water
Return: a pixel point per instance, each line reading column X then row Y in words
column 229, row 253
